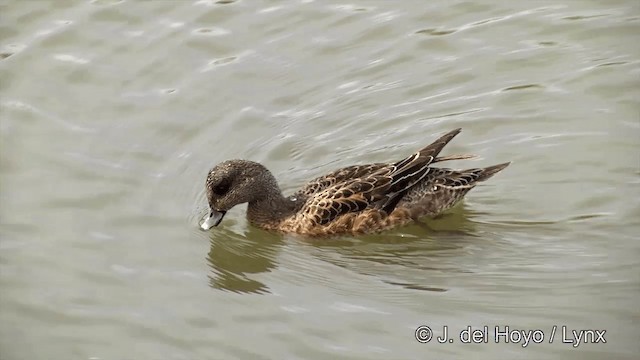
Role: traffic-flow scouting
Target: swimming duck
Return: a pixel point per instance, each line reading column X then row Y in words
column 352, row 200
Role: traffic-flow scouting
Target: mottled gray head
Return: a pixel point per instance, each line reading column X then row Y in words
column 236, row 182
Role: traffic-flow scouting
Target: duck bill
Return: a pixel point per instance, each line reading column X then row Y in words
column 213, row 220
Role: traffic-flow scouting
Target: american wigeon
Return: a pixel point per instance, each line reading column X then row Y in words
column 355, row 199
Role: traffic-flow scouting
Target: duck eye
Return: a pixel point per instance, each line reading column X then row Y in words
column 435, row 187
column 222, row 187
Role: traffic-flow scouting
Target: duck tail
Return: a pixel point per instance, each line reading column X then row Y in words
column 454, row 157
column 412, row 168
column 432, row 150
column 488, row 172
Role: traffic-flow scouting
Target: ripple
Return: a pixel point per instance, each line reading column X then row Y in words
column 355, row 308
column 71, row 58
column 11, row 49
column 269, row 9
column 295, row 309
column 411, row 286
column 107, row 2
column 436, row 32
column 22, row 106
column 523, row 87
column 613, row 63
column 215, row 2
column 168, row 91
column 215, row 63
column 583, row 17
column 588, row 216
column 351, row 8
column 211, row 31
column 172, row 24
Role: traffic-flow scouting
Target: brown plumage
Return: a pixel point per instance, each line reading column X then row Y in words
column 355, row 199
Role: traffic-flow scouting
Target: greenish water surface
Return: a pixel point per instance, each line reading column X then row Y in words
column 112, row 112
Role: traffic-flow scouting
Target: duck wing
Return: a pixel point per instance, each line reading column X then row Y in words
column 338, row 176
column 379, row 186
column 349, row 196
column 414, row 169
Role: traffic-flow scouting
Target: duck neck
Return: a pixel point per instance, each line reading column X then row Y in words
column 270, row 209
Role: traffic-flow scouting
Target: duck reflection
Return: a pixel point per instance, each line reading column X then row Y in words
column 392, row 257
column 233, row 257
column 404, row 257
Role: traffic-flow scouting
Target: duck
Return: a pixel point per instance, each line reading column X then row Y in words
column 357, row 199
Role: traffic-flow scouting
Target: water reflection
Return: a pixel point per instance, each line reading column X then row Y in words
column 233, row 257
column 396, row 258
column 406, row 257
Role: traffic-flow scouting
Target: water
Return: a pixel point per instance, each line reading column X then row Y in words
column 112, row 112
